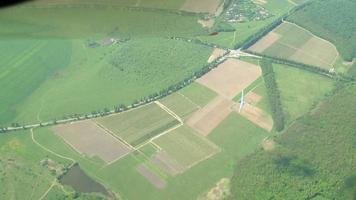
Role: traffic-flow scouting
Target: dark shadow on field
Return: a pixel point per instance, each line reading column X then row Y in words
column 7, row 3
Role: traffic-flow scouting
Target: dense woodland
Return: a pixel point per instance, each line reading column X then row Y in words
column 314, row 159
column 333, row 20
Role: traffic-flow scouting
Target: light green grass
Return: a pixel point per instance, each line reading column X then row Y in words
column 198, row 94
column 236, row 137
column 20, row 168
column 186, row 146
column 139, row 125
column 94, row 21
column 104, row 77
column 300, row 90
column 179, row 104
column 24, row 66
column 167, row 4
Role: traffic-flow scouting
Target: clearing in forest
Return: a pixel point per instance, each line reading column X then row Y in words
column 89, row 139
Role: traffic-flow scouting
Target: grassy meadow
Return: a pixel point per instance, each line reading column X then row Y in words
column 300, row 90
column 104, row 77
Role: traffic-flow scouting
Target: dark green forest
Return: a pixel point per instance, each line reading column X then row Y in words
column 333, row 20
column 314, row 159
column 273, row 93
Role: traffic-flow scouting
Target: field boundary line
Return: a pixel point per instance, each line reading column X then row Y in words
column 169, row 111
column 114, row 135
column 188, row 99
column 302, row 52
column 156, row 145
column 48, row 150
column 49, row 189
column 161, row 134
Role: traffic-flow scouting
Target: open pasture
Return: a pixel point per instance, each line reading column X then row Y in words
column 291, row 42
column 201, row 6
column 139, row 125
column 198, row 94
column 230, row 77
column 186, row 147
column 90, row 20
column 91, row 140
column 104, row 77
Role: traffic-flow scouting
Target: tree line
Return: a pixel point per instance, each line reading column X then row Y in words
column 273, row 94
column 121, row 107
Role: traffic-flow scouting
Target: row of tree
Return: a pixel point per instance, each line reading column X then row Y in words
column 273, row 94
column 121, row 107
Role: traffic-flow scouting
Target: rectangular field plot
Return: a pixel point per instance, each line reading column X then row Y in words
column 179, row 104
column 289, row 41
column 230, row 77
column 139, row 125
column 183, row 148
column 89, row 139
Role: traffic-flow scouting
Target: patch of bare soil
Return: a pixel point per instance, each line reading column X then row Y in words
column 216, row 54
column 256, row 115
column 210, row 116
column 206, row 23
column 219, row 192
column 89, row 139
column 268, row 144
column 230, row 77
column 252, row 98
column 265, row 42
column 166, row 163
column 153, row 178
column 201, row 6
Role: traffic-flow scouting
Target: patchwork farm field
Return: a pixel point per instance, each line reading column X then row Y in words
column 139, row 125
column 106, row 99
column 291, row 42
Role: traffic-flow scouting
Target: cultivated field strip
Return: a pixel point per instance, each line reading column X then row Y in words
column 139, row 125
column 89, row 139
column 292, row 42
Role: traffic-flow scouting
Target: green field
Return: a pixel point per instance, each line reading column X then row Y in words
column 95, row 22
column 300, row 90
column 186, row 147
column 236, row 137
column 21, row 169
column 294, row 43
column 138, row 125
column 24, row 66
column 332, row 20
column 98, row 78
column 180, row 105
column 198, row 94
column 167, row 4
